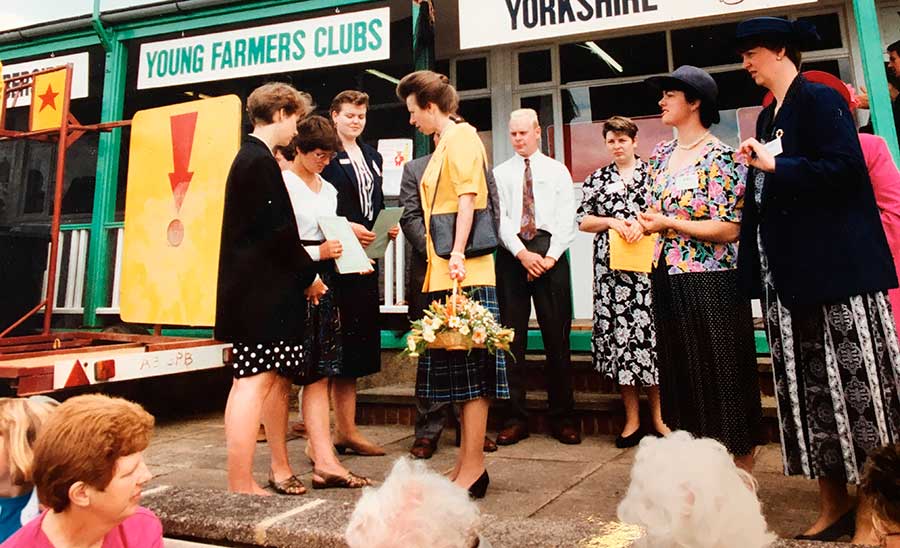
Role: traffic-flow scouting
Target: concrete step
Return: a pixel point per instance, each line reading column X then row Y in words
column 597, row 413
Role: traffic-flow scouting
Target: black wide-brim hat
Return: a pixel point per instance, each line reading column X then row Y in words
column 802, row 34
column 696, row 79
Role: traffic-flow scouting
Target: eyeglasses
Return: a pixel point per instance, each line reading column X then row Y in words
column 324, row 155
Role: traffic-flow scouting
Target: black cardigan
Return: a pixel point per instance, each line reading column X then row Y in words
column 263, row 269
column 818, row 219
column 341, row 175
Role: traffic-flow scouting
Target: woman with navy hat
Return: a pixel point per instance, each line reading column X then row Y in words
column 708, row 379
column 813, row 248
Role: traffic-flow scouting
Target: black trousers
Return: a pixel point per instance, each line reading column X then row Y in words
column 552, row 294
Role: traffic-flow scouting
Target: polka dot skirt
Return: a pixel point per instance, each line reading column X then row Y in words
column 250, row 359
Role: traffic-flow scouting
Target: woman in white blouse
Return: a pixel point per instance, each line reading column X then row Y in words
column 312, row 197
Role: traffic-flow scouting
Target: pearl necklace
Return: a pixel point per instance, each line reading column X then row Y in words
column 695, row 143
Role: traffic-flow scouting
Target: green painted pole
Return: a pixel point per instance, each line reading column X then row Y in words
column 423, row 59
column 108, row 151
column 872, row 52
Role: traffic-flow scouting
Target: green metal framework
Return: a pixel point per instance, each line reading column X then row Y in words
column 872, row 54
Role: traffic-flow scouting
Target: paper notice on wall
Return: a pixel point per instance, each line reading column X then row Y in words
column 394, row 153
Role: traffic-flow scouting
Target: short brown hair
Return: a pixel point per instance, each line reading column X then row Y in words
column 20, row 421
column 881, row 482
column 429, row 87
column 267, row 99
column 349, row 97
column 314, row 132
column 82, row 440
column 620, row 124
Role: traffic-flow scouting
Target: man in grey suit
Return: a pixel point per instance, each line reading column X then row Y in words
column 430, row 417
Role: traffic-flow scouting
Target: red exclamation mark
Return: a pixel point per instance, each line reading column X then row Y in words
column 183, row 126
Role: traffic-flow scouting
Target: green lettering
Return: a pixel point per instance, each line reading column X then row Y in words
column 298, row 44
column 227, row 56
column 318, row 48
column 161, row 66
column 257, row 50
column 151, row 59
column 375, row 26
column 198, row 58
column 359, row 36
column 284, row 47
column 271, row 46
column 216, row 55
column 240, row 52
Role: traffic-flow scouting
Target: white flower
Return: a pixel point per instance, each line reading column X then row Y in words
column 428, row 335
column 464, row 329
column 454, row 322
column 436, row 323
column 479, row 335
column 411, row 344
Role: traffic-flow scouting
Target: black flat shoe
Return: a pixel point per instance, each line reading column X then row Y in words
column 844, row 526
column 478, row 489
column 624, row 442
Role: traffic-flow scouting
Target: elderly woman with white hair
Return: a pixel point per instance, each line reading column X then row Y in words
column 688, row 493
column 415, row 507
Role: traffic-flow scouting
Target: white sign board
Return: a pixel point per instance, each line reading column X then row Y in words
column 394, row 153
column 496, row 22
column 80, row 64
column 356, row 37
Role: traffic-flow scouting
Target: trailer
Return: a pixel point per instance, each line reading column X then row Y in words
column 165, row 241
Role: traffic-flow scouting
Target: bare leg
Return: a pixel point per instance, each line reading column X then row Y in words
column 834, row 502
column 656, row 411
column 343, row 393
column 275, row 420
column 458, row 464
column 471, row 451
column 242, row 417
column 318, row 425
column 865, row 532
column 632, row 409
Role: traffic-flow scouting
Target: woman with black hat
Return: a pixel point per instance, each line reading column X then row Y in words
column 708, row 379
column 812, row 246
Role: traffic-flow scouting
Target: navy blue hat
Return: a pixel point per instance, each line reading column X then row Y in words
column 800, row 33
column 694, row 78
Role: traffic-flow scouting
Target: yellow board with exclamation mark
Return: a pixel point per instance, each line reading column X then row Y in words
column 179, row 159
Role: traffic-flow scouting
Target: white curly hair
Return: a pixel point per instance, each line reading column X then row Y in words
column 688, row 493
column 415, row 507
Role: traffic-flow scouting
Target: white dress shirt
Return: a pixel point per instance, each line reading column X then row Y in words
column 309, row 206
column 554, row 202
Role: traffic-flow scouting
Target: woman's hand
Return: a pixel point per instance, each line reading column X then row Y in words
column 392, row 233
column 754, row 153
column 633, row 231
column 457, row 266
column 654, row 221
column 363, row 234
column 315, row 291
column 330, row 249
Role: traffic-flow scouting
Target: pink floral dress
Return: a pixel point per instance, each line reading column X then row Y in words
column 710, row 189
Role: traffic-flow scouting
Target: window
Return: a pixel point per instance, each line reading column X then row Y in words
column 471, row 74
column 613, row 58
column 705, row 46
column 535, row 67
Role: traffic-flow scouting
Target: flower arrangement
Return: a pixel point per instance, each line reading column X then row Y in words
column 457, row 323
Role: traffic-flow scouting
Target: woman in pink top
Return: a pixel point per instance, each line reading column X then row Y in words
column 89, row 471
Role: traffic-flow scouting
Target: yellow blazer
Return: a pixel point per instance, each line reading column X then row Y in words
column 458, row 162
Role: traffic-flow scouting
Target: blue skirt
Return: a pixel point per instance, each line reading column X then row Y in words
column 461, row 376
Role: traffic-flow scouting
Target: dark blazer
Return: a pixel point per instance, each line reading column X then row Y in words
column 263, row 269
column 340, row 174
column 412, row 222
column 818, row 219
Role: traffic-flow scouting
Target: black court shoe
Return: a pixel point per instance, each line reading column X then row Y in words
column 844, row 526
column 478, row 489
column 624, row 442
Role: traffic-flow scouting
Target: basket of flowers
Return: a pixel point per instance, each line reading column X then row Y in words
column 457, row 323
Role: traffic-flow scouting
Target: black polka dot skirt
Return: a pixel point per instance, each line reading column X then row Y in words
column 250, row 359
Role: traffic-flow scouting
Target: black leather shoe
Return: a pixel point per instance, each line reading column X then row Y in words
column 478, row 489
column 624, row 442
column 567, row 434
column 512, row 434
column 845, row 526
column 423, row 448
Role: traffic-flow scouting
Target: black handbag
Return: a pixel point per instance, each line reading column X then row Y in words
column 483, row 236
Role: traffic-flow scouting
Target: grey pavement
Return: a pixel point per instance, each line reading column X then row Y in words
column 538, row 483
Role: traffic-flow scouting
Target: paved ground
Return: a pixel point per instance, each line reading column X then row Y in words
column 537, row 478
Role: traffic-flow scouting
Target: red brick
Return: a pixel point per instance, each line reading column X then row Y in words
column 392, row 415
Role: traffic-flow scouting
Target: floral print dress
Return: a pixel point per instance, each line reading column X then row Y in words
column 624, row 337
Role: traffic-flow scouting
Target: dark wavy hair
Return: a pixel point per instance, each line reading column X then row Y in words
column 313, row 132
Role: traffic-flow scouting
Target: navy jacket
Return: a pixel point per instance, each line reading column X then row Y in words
column 340, row 174
column 818, row 221
column 263, row 268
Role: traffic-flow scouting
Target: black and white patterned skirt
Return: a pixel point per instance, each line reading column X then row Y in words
column 283, row 358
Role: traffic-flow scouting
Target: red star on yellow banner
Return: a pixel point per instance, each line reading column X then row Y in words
column 48, row 99
column 43, row 88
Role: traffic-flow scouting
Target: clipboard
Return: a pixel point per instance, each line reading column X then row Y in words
column 636, row 257
column 353, row 260
column 387, row 219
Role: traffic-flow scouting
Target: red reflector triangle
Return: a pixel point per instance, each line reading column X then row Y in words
column 77, row 376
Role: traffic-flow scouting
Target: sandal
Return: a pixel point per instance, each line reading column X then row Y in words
column 289, row 486
column 328, row 481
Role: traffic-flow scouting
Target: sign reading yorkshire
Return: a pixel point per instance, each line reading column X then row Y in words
column 508, row 21
column 356, row 37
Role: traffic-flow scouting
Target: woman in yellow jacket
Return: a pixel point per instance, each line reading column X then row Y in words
column 457, row 171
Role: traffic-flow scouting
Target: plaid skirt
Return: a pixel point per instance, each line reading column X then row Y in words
column 461, row 376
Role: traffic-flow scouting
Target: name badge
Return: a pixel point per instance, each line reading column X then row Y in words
column 345, row 161
column 616, row 187
column 687, row 181
column 774, row 147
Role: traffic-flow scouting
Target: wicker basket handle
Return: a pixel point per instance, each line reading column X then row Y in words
column 453, row 298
